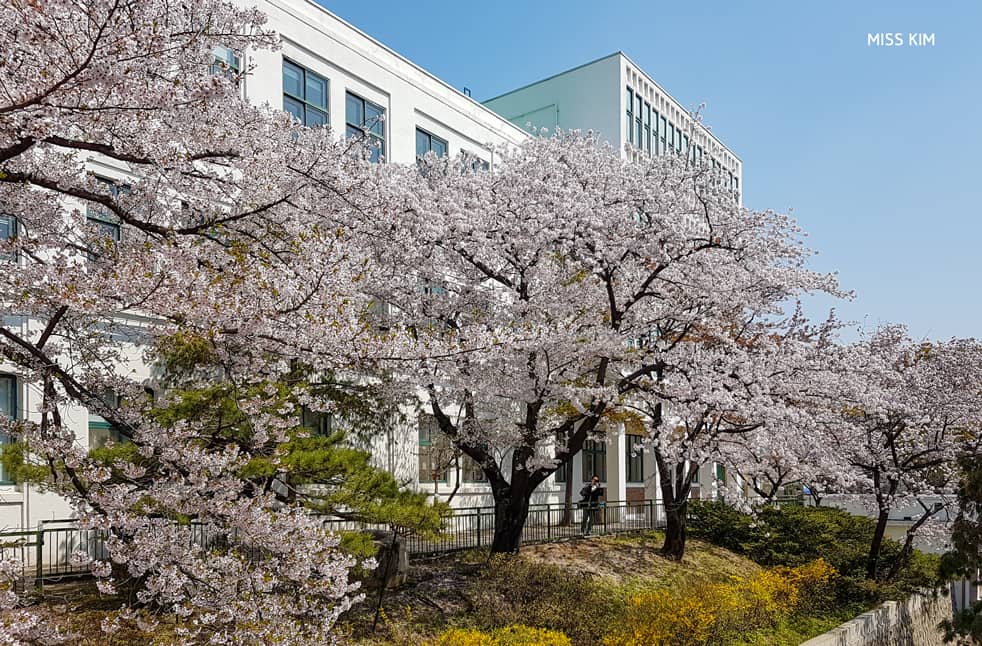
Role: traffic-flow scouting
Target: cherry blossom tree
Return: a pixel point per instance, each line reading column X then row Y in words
column 907, row 412
column 149, row 202
column 720, row 394
column 544, row 296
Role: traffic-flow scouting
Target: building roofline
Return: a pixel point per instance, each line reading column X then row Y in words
column 679, row 103
column 430, row 75
column 655, row 83
column 549, row 78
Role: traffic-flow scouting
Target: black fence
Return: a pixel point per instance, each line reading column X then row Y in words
column 60, row 549
column 473, row 527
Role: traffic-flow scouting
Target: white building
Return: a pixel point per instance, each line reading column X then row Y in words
column 615, row 98
column 329, row 72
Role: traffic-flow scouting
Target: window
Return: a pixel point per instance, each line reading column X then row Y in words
column 8, row 408
column 470, row 470
column 595, row 460
column 647, row 128
column 638, row 123
column 654, row 131
column 365, row 119
column 317, row 422
column 564, row 471
column 721, row 473
column 671, row 136
column 304, row 95
column 427, row 143
column 104, row 223
column 434, row 451
column 477, row 164
column 102, row 432
column 8, row 231
column 226, row 63
column 630, row 116
column 635, row 458
column 664, row 130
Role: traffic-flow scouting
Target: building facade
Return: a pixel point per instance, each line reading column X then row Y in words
column 328, row 72
column 615, row 98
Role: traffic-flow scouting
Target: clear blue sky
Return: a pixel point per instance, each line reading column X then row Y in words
column 877, row 150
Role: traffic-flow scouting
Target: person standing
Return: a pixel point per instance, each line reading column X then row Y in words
column 589, row 502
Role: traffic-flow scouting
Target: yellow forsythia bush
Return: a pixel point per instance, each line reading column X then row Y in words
column 516, row 635
column 718, row 613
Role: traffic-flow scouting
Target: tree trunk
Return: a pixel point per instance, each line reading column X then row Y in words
column 567, row 518
column 674, row 484
column 674, row 547
column 874, row 549
column 510, row 514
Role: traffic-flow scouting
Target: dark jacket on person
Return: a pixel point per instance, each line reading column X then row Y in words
column 591, row 497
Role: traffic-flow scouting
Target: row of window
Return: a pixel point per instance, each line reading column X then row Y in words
column 655, row 134
column 305, row 96
column 437, row 455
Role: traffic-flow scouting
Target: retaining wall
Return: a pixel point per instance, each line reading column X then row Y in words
column 913, row 622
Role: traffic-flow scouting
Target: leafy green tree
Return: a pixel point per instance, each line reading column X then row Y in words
column 964, row 561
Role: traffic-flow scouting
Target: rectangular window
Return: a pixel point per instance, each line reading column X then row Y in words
column 8, row 408
column 365, row 119
column 664, row 131
column 304, row 95
column 654, row 131
column 477, row 164
column 630, row 116
column 226, row 62
column 104, row 224
column 562, row 472
column 318, row 423
column 8, row 231
column 635, row 458
column 671, row 136
column 685, row 145
column 428, row 143
column 647, row 127
column 720, row 473
column 470, row 470
column 595, row 460
column 434, row 451
column 101, row 432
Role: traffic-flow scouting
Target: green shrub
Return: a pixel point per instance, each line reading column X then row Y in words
column 792, row 536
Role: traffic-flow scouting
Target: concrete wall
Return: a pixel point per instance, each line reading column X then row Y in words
column 913, row 622
column 585, row 98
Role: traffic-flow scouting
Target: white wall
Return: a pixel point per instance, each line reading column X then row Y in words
column 584, row 98
column 353, row 61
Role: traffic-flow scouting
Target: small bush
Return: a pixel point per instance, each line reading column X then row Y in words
column 516, row 635
column 513, row 590
column 719, row 613
column 792, row 536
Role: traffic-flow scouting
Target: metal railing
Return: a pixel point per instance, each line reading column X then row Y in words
column 473, row 527
column 50, row 553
